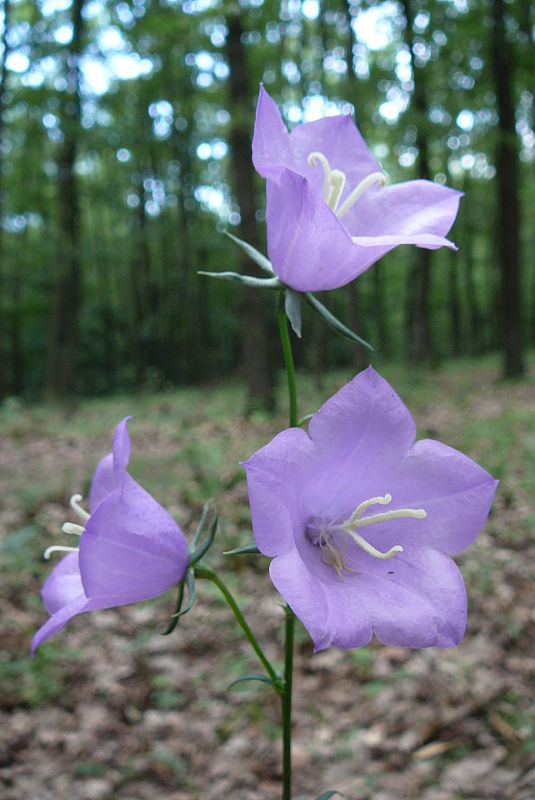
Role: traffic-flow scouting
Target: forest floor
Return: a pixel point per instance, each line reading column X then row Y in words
column 111, row 710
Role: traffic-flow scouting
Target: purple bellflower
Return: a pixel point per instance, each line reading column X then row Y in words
column 361, row 520
column 330, row 215
column 130, row 548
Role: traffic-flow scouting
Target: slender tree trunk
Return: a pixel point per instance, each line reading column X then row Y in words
column 3, row 84
column 255, row 357
column 454, row 304
column 140, row 285
column 507, row 228
column 419, row 283
column 66, row 303
column 359, row 357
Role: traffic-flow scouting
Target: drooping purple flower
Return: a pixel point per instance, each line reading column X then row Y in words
column 130, row 548
column 329, row 214
column 361, row 521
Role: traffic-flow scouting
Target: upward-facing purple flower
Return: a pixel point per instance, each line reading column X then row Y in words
column 329, row 214
column 361, row 521
column 130, row 548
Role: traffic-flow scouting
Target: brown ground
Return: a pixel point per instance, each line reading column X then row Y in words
column 110, row 710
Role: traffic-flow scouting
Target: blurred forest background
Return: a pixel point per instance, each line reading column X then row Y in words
column 125, row 131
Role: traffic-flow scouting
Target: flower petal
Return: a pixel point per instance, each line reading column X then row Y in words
column 308, row 246
column 132, row 549
column 340, row 142
column 360, row 434
column 271, row 141
column 421, row 604
column 111, row 469
column 63, row 585
column 331, row 613
column 404, row 211
column 58, row 620
column 455, row 492
column 275, row 475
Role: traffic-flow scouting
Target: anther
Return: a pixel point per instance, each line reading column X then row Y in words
column 77, row 508
column 55, row 548
column 72, row 529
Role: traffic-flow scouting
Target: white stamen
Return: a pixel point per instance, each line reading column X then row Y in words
column 337, row 181
column 77, row 508
column 72, row 529
column 312, row 160
column 358, row 191
column 371, row 550
column 58, row 548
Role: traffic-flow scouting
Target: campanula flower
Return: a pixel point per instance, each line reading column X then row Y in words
column 361, row 521
column 330, row 214
column 129, row 547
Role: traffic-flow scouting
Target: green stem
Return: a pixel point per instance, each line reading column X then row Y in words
column 286, row 700
column 288, row 359
column 204, row 571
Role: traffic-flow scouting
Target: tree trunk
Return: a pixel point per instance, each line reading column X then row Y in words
column 454, row 305
column 66, row 303
column 255, row 359
column 507, row 228
column 3, row 85
column 419, row 283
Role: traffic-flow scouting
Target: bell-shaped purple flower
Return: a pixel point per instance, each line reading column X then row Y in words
column 130, row 548
column 330, row 215
column 361, row 521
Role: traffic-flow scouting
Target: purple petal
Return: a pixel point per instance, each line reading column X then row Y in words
column 331, row 613
column 360, row 435
column 339, row 140
column 58, row 621
column 111, row 469
column 421, row 604
column 132, row 549
column 404, row 211
column 455, row 492
column 274, row 475
column 271, row 141
column 63, row 585
column 308, row 246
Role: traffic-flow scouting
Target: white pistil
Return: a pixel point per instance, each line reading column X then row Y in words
column 313, row 160
column 72, row 529
column 369, row 180
column 371, row 550
column 77, row 508
column 58, row 548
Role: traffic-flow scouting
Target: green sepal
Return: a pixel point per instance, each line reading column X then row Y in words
column 259, row 677
column 327, row 795
column 189, row 581
column 333, row 322
column 258, row 257
column 203, row 548
column 305, row 419
column 200, row 526
column 246, row 549
column 292, row 307
column 245, row 280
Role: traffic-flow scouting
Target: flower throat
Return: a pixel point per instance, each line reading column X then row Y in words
column 334, row 547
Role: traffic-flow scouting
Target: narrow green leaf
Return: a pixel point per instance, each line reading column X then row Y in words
column 241, row 551
column 203, row 548
column 333, row 322
column 246, row 280
column 327, row 795
column 260, row 677
column 292, row 307
column 174, row 617
column 258, row 257
column 200, row 526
